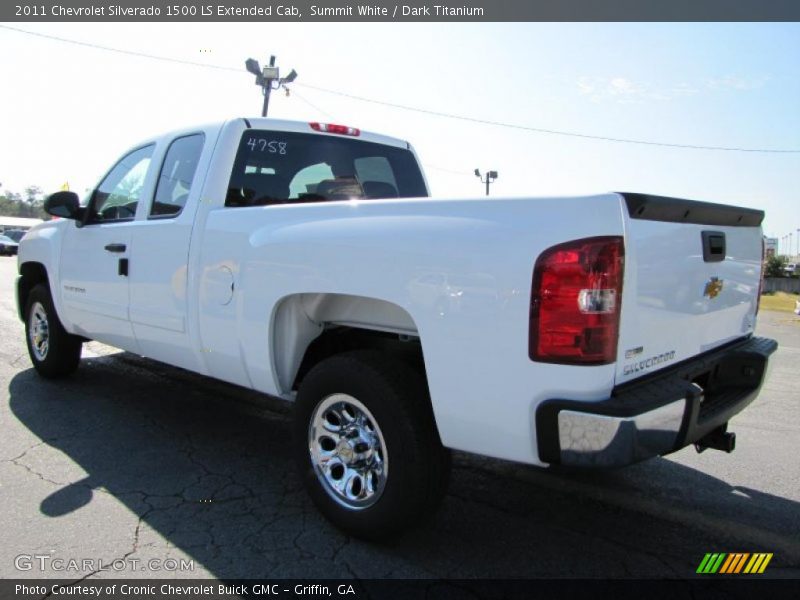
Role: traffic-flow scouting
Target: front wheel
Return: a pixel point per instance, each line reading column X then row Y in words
column 54, row 352
column 367, row 446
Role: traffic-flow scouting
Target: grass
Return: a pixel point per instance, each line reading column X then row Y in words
column 780, row 301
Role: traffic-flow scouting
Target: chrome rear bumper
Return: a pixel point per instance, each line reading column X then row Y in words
column 600, row 439
column 655, row 415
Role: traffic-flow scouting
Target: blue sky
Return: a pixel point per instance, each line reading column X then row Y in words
column 69, row 111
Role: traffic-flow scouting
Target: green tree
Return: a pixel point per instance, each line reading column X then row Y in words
column 10, row 204
column 775, row 265
column 33, row 201
column 29, row 205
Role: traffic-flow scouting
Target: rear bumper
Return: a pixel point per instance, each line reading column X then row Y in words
column 655, row 415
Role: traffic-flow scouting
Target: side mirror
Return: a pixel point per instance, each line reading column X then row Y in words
column 63, row 204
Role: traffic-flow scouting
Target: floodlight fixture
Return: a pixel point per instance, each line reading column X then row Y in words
column 252, row 66
column 271, row 73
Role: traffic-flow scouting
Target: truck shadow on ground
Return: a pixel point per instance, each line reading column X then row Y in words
column 206, row 467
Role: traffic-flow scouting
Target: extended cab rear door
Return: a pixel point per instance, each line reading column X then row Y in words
column 159, row 257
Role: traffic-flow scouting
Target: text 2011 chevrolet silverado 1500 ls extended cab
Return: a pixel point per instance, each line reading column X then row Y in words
column 304, row 260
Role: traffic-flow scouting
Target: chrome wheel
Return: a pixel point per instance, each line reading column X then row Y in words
column 348, row 451
column 39, row 331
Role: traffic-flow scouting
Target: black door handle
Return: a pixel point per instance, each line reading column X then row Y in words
column 116, row 247
column 713, row 246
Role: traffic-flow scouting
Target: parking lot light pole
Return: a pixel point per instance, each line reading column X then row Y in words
column 490, row 177
column 268, row 79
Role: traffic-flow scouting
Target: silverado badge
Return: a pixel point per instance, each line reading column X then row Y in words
column 713, row 287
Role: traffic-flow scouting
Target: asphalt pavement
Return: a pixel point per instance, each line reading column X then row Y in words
column 131, row 468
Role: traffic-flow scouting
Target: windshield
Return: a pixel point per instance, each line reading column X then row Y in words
column 14, row 235
column 275, row 167
column 6, row 239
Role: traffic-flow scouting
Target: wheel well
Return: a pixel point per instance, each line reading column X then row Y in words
column 300, row 319
column 31, row 274
column 336, row 339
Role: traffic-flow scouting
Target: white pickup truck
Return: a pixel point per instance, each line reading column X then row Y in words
column 305, row 261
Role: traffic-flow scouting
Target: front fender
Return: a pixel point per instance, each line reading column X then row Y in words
column 42, row 246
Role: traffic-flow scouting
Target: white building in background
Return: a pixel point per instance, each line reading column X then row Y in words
column 17, row 223
column 770, row 246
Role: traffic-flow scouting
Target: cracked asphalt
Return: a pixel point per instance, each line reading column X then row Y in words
column 134, row 460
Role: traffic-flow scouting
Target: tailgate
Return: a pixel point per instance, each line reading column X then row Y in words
column 692, row 275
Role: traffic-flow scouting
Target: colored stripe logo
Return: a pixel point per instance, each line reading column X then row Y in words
column 734, row 563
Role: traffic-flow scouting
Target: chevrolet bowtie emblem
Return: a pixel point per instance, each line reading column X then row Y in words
column 713, row 287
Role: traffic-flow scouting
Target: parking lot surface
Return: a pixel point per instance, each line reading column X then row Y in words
column 171, row 474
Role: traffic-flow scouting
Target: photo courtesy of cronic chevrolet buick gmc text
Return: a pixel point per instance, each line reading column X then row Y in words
column 305, row 261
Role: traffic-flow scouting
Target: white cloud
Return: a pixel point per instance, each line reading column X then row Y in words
column 616, row 89
column 626, row 91
column 733, row 82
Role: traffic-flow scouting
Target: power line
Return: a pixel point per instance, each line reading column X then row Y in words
column 436, row 113
column 415, row 108
column 312, row 105
column 426, row 165
column 120, row 51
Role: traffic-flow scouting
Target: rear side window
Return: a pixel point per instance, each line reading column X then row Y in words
column 273, row 167
column 177, row 174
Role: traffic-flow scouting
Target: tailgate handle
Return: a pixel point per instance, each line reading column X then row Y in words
column 713, row 246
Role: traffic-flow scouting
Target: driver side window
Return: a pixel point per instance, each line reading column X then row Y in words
column 117, row 196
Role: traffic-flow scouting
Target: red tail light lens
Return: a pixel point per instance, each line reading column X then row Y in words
column 575, row 302
column 338, row 129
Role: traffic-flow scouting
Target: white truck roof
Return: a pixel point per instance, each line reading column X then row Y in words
column 280, row 125
column 305, row 127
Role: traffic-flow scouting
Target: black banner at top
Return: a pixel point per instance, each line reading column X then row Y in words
column 393, row 11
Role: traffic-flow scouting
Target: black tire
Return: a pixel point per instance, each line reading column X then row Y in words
column 62, row 353
column 418, row 466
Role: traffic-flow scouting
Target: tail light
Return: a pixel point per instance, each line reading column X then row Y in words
column 338, row 129
column 575, row 302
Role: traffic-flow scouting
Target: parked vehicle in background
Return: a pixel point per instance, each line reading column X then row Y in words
column 15, row 234
column 8, row 247
column 305, row 260
column 24, row 223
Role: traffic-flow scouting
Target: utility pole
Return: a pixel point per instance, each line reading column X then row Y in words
column 268, row 79
column 490, row 177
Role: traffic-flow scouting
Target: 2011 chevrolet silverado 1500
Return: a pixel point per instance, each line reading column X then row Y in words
column 305, row 260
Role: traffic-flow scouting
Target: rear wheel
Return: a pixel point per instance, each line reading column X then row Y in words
column 53, row 351
column 366, row 444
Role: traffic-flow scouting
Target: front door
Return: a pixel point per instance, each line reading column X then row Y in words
column 94, row 260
